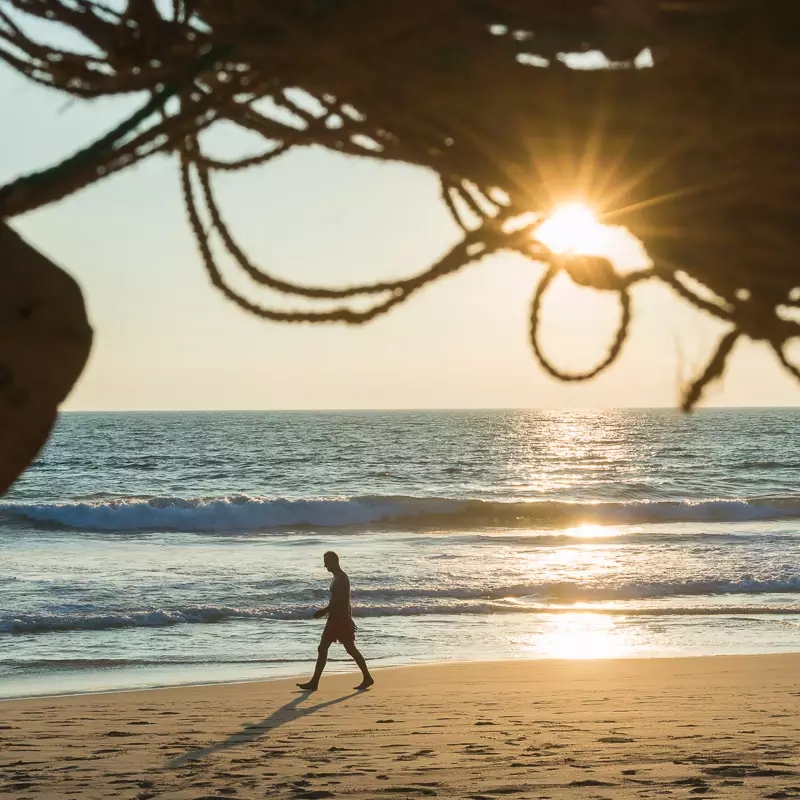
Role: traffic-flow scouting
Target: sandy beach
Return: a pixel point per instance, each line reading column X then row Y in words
column 724, row 726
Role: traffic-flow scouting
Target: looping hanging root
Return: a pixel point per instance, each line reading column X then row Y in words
column 462, row 89
column 621, row 287
column 478, row 243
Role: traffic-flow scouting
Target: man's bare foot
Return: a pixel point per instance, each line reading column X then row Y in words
column 365, row 684
column 308, row 687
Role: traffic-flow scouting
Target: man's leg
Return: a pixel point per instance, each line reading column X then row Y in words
column 322, row 659
column 354, row 653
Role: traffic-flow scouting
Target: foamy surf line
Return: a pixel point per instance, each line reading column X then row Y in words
column 244, row 513
column 33, row 624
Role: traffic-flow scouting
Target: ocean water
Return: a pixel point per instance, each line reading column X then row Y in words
column 146, row 549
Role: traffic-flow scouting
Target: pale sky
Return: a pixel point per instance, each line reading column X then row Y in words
column 164, row 339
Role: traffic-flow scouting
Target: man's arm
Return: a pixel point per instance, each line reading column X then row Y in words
column 321, row 612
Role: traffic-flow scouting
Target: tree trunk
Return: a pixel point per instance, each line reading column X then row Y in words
column 45, row 340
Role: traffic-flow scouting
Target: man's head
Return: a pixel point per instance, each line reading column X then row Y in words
column 331, row 561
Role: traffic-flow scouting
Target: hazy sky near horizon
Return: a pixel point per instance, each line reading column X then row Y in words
column 166, row 340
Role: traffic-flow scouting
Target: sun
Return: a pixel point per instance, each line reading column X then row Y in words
column 573, row 229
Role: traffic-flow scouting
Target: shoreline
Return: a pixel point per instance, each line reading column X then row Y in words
column 627, row 728
column 342, row 667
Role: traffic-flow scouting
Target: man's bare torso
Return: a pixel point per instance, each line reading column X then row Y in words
column 340, row 597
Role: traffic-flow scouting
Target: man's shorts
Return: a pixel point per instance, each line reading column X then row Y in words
column 339, row 630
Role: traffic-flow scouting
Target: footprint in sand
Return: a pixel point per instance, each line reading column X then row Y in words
column 745, row 771
column 590, row 782
column 213, row 797
column 616, row 740
column 412, row 756
column 689, row 782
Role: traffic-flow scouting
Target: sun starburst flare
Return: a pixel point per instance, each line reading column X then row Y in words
column 573, row 229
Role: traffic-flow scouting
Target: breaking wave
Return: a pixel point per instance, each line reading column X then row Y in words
column 242, row 513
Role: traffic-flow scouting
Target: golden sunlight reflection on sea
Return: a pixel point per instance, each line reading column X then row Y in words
column 580, row 635
column 587, row 531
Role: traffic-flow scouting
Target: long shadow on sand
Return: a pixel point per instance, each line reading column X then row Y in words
column 286, row 713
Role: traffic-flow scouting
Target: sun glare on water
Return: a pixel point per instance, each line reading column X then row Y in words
column 573, row 228
column 587, row 531
column 582, row 636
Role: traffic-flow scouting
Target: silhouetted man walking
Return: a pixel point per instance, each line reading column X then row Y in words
column 339, row 627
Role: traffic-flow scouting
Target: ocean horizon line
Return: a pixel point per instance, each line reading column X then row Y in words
column 415, row 409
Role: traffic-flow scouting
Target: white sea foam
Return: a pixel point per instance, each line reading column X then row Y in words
column 537, row 598
column 249, row 513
